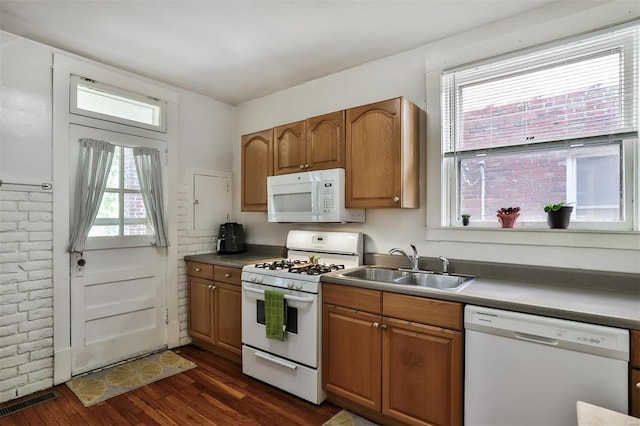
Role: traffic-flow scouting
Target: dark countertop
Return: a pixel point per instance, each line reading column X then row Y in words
column 254, row 254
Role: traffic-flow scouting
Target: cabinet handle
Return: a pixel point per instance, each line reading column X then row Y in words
column 198, row 269
column 227, row 275
column 396, row 199
column 383, row 326
column 376, row 325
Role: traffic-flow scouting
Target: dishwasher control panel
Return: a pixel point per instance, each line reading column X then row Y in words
column 591, row 338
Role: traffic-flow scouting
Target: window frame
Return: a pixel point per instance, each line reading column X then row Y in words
column 121, row 221
column 449, row 160
column 74, row 109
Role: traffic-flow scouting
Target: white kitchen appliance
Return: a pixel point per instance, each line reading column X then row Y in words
column 317, row 196
column 523, row 369
column 293, row 364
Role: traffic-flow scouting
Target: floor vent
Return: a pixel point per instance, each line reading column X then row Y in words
column 30, row 402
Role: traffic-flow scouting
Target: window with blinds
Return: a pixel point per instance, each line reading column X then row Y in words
column 551, row 124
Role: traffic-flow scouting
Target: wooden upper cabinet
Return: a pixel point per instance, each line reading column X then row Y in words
column 382, row 155
column 317, row 143
column 257, row 164
column 290, row 148
column 325, row 141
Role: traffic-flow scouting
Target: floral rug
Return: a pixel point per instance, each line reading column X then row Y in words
column 347, row 418
column 104, row 384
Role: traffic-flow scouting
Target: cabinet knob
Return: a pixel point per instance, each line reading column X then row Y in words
column 302, row 166
column 306, row 166
column 198, row 269
column 376, row 325
column 227, row 275
column 638, row 385
column 383, row 326
column 396, row 199
column 212, row 287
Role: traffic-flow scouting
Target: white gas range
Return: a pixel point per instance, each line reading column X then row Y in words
column 294, row 363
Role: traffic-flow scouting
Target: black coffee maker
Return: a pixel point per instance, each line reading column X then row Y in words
column 230, row 239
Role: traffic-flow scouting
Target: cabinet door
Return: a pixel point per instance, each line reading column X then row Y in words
column 201, row 309
column 352, row 355
column 634, row 392
column 257, row 164
column 290, row 148
column 422, row 373
column 227, row 318
column 373, row 155
column 325, row 141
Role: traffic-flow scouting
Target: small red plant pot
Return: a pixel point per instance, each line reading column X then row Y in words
column 508, row 220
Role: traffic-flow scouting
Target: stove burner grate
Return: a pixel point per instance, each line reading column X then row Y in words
column 299, row 267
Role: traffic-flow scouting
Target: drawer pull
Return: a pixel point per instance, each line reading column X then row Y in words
column 227, row 275
column 198, row 269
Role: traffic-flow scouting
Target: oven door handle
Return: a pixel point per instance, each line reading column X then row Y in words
column 275, row 360
column 286, row 296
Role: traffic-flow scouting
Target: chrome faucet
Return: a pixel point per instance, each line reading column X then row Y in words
column 445, row 264
column 413, row 260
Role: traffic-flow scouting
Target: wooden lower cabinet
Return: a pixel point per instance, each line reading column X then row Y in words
column 634, row 375
column 215, row 321
column 404, row 370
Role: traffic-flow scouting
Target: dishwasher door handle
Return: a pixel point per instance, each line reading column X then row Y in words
column 536, row 339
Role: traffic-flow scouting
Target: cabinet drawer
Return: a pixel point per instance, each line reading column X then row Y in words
column 360, row 299
column 201, row 270
column 227, row 274
column 635, row 349
column 427, row 311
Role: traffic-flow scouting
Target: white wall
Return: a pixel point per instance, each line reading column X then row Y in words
column 26, row 270
column 404, row 75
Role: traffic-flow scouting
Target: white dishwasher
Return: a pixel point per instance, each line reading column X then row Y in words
column 523, row 369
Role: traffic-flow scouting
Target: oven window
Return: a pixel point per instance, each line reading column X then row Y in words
column 291, row 317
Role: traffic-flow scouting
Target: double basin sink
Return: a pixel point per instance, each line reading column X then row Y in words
column 428, row 279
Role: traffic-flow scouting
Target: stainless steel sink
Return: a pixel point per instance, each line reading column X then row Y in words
column 443, row 282
column 377, row 274
column 426, row 279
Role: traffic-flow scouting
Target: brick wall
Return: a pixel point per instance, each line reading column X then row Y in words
column 26, row 293
column 187, row 246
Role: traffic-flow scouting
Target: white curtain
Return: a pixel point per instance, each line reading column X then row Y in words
column 94, row 164
column 148, row 167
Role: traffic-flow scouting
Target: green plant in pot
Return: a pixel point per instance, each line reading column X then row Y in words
column 558, row 215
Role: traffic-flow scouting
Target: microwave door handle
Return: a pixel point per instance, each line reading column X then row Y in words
column 315, row 195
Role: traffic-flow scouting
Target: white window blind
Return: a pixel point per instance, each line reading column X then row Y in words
column 580, row 89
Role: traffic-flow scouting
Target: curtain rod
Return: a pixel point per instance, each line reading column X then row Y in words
column 44, row 185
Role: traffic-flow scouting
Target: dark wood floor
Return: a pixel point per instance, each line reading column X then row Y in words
column 214, row 393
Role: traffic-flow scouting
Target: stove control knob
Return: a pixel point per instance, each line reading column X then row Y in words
column 259, row 279
column 289, row 284
column 252, row 278
column 299, row 286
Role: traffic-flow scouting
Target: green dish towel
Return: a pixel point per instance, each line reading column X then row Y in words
column 274, row 314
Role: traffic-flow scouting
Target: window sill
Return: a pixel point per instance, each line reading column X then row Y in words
column 620, row 240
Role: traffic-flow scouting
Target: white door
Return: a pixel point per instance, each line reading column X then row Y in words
column 118, row 296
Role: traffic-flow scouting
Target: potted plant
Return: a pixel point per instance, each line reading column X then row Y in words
column 465, row 219
column 507, row 216
column 558, row 215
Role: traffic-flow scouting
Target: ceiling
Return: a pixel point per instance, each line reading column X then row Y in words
column 234, row 51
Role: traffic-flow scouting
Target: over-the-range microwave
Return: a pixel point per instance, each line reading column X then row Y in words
column 316, row 196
